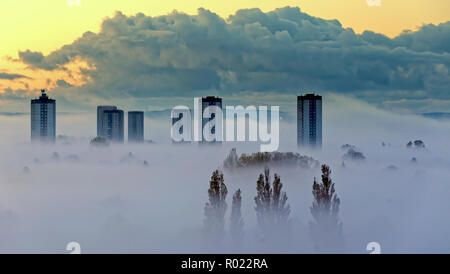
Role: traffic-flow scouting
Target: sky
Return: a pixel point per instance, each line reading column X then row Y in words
column 410, row 71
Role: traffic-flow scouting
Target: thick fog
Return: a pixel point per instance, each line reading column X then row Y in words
column 150, row 198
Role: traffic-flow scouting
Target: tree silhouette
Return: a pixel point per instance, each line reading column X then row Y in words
column 236, row 221
column 326, row 228
column 99, row 142
column 264, row 159
column 216, row 207
column 232, row 161
column 272, row 209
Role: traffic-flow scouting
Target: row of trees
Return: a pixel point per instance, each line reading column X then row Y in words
column 233, row 161
column 273, row 210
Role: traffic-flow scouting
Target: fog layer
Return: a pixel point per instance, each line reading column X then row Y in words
column 150, row 198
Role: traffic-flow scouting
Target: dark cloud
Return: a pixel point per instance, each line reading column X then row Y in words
column 12, row 114
column 429, row 38
column 63, row 83
column 32, row 58
column 38, row 60
column 10, row 94
column 283, row 51
column 11, row 76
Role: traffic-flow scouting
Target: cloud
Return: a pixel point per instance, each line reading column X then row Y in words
column 38, row 60
column 283, row 51
column 420, row 106
column 11, row 76
column 63, row 83
column 12, row 114
column 9, row 94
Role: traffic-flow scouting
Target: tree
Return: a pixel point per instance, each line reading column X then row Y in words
column 232, row 160
column 326, row 227
column 272, row 209
column 236, row 221
column 216, row 207
column 99, row 142
column 263, row 159
column 418, row 144
column 353, row 155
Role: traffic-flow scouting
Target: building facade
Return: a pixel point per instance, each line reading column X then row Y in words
column 309, row 120
column 43, row 119
column 100, row 111
column 135, row 126
column 113, row 125
column 206, row 102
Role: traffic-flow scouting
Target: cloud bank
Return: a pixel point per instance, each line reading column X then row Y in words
column 11, row 76
column 282, row 51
